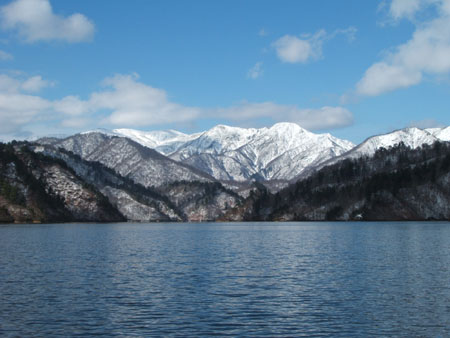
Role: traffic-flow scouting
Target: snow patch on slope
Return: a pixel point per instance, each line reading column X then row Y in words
column 443, row 134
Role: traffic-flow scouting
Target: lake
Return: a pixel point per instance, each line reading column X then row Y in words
column 253, row 279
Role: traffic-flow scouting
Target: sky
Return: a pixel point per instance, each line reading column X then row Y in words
column 348, row 67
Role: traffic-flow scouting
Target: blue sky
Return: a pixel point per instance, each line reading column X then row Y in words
column 352, row 68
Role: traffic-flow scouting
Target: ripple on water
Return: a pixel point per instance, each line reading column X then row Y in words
column 262, row 279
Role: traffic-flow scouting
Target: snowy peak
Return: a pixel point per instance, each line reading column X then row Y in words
column 232, row 153
column 163, row 141
column 282, row 152
column 157, row 136
column 99, row 131
column 411, row 137
column 223, row 138
column 288, row 128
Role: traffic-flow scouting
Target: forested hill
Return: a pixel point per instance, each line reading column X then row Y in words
column 37, row 188
column 395, row 184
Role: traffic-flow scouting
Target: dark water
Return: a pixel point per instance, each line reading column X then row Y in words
column 297, row 279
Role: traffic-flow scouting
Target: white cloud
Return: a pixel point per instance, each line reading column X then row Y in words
column 16, row 110
column 34, row 20
column 126, row 102
column 256, row 71
column 76, row 122
column 35, row 84
column 426, row 53
column 134, row 103
column 405, row 8
column 72, row 106
column 307, row 47
column 292, row 49
column 20, row 110
column 312, row 119
column 324, row 118
column 9, row 84
column 14, row 85
column 383, row 77
column 4, row 56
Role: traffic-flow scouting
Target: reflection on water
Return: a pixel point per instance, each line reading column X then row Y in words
column 360, row 279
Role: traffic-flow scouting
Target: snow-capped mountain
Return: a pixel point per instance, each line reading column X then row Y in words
column 411, row 137
column 230, row 153
column 282, row 152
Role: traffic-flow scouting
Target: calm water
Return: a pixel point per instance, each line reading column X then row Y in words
column 296, row 279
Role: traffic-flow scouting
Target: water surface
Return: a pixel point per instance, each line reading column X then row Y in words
column 286, row 279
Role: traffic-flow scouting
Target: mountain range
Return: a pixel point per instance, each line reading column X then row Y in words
column 284, row 151
column 172, row 176
column 275, row 156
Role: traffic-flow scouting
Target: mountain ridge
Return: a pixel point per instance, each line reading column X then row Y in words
column 284, row 151
column 412, row 137
column 240, row 154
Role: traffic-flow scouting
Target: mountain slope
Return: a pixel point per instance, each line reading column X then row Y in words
column 395, row 184
column 230, row 153
column 175, row 201
column 43, row 189
column 129, row 159
column 134, row 201
column 411, row 137
column 443, row 134
column 201, row 201
column 165, row 142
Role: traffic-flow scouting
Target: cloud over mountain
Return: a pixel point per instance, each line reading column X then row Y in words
column 311, row 119
column 125, row 101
